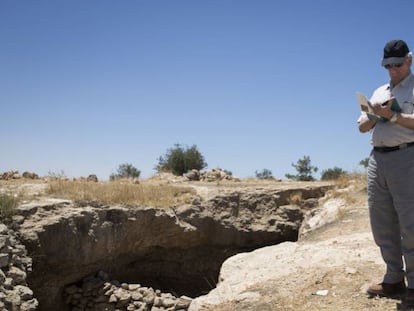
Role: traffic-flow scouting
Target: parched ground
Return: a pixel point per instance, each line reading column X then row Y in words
column 330, row 270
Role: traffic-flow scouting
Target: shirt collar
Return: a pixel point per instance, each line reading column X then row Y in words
column 407, row 79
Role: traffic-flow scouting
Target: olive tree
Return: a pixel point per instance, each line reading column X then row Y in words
column 179, row 160
column 125, row 170
column 304, row 170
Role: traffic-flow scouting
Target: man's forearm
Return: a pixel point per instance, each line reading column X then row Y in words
column 365, row 125
column 405, row 120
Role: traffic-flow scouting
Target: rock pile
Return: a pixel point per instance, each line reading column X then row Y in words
column 216, row 174
column 15, row 295
column 16, row 175
column 91, row 178
column 99, row 293
column 30, row 175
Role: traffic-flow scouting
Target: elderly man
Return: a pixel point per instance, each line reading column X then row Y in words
column 391, row 174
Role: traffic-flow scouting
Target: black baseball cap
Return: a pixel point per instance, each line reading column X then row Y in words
column 395, row 52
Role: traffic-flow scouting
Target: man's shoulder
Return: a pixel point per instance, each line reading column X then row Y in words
column 409, row 80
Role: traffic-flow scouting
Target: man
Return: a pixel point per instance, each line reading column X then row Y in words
column 391, row 174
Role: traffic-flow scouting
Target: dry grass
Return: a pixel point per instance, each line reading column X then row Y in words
column 8, row 205
column 121, row 193
column 346, row 187
column 356, row 179
column 11, row 195
column 155, row 191
column 295, row 198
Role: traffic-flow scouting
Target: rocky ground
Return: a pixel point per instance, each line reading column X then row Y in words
column 328, row 269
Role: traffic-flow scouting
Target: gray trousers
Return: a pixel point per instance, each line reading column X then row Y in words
column 391, row 209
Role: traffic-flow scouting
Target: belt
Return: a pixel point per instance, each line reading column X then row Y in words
column 394, row 148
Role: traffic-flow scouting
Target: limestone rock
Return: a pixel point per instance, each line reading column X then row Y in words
column 137, row 243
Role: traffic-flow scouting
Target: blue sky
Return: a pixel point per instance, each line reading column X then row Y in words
column 88, row 85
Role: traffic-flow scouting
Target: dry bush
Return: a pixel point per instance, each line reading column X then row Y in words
column 8, row 205
column 295, row 198
column 122, row 193
column 357, row 180
column 347, row 186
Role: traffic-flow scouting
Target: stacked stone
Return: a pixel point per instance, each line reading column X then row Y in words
column 97, row 293
column 15, row 295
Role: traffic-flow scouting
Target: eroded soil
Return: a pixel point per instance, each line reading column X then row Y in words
column 341, row 282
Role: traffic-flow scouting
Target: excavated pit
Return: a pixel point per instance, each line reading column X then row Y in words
column 178, row 250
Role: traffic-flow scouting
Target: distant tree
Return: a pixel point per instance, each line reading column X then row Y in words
column 364, row 162
column 125, row 170
column 264, row 174
column 332, row 173
column 179, row 160
column 304, row 168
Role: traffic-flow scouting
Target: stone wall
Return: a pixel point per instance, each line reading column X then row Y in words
column 15, row 295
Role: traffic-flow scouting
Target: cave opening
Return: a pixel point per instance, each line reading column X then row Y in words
column 167, row 275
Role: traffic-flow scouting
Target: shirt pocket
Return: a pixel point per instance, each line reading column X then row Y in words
column 407, row 106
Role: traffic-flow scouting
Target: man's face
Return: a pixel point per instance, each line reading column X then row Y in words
column 399, row 72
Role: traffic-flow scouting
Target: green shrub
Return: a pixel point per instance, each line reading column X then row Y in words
column 364, row 163
column 264, row 174
column 179, row 160
column 227, row 172
column 332, row 173
column 304, row 168
column 126, row 170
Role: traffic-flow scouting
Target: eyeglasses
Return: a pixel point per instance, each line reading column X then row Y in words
column 389, row 66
